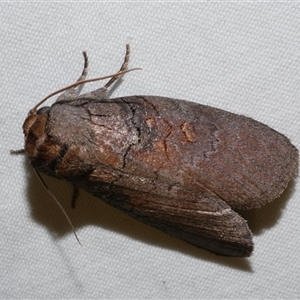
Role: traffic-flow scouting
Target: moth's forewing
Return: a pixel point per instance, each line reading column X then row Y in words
column 171, row 164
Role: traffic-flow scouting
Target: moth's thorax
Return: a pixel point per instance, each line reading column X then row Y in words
column 69, row 140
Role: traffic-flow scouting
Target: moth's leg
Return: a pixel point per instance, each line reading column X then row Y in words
column 74, row 92
column 75, row 196
column 102, row 92
column 123, row 67
column 19, row 151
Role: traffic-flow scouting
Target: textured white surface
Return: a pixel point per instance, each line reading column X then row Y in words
column 244, row 58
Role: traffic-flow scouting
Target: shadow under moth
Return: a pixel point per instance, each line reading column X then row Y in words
column 178, row 166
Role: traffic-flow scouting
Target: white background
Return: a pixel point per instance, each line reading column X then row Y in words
column 242, row 57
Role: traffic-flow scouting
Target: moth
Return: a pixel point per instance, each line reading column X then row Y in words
column 175, row 165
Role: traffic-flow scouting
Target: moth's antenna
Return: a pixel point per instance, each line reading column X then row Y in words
column 59, row 205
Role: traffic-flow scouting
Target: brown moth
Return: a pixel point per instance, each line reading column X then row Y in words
column 178, row 166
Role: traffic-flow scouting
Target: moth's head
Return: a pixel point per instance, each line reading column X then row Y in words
column 34, row 129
